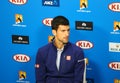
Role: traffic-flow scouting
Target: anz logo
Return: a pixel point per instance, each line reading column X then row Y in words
column 50, row 2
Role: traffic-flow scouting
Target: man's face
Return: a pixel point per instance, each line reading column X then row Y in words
column 62, row 34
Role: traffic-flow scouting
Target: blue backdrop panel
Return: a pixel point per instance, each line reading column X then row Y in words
column 25, row 26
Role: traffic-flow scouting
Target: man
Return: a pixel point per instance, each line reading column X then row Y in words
column 60, row 61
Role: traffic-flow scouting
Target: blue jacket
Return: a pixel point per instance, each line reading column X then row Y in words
column 71, row 68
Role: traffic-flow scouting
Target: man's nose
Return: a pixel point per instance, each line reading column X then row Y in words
column 67, row 33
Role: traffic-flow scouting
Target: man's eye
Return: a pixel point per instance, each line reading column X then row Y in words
column 63, row 30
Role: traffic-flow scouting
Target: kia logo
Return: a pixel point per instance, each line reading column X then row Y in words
column 84, row 44
column 47, row 21
column 21, row 58
column 114, row 65
column 114, row 7
column 18, row 2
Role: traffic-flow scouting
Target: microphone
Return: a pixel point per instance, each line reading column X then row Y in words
column 84, row 74
column 81, row 60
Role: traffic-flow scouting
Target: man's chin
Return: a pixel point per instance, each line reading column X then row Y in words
column 65, row 42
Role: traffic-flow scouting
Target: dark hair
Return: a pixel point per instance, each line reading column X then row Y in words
column 59, row 20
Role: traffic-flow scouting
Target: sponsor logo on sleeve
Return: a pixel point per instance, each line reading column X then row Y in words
column 37, row 66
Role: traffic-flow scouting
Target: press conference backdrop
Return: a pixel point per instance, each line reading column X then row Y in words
column 25, row 26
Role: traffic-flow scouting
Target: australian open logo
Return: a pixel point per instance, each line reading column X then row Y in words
column 116, row 27
column 50, row 2
column 83, row 6
column 22, row 77
column 19, row 20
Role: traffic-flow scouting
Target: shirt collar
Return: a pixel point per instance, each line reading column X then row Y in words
column 67, row 44
column 60, row 49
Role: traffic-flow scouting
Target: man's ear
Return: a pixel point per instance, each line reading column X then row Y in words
column 54, row 32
